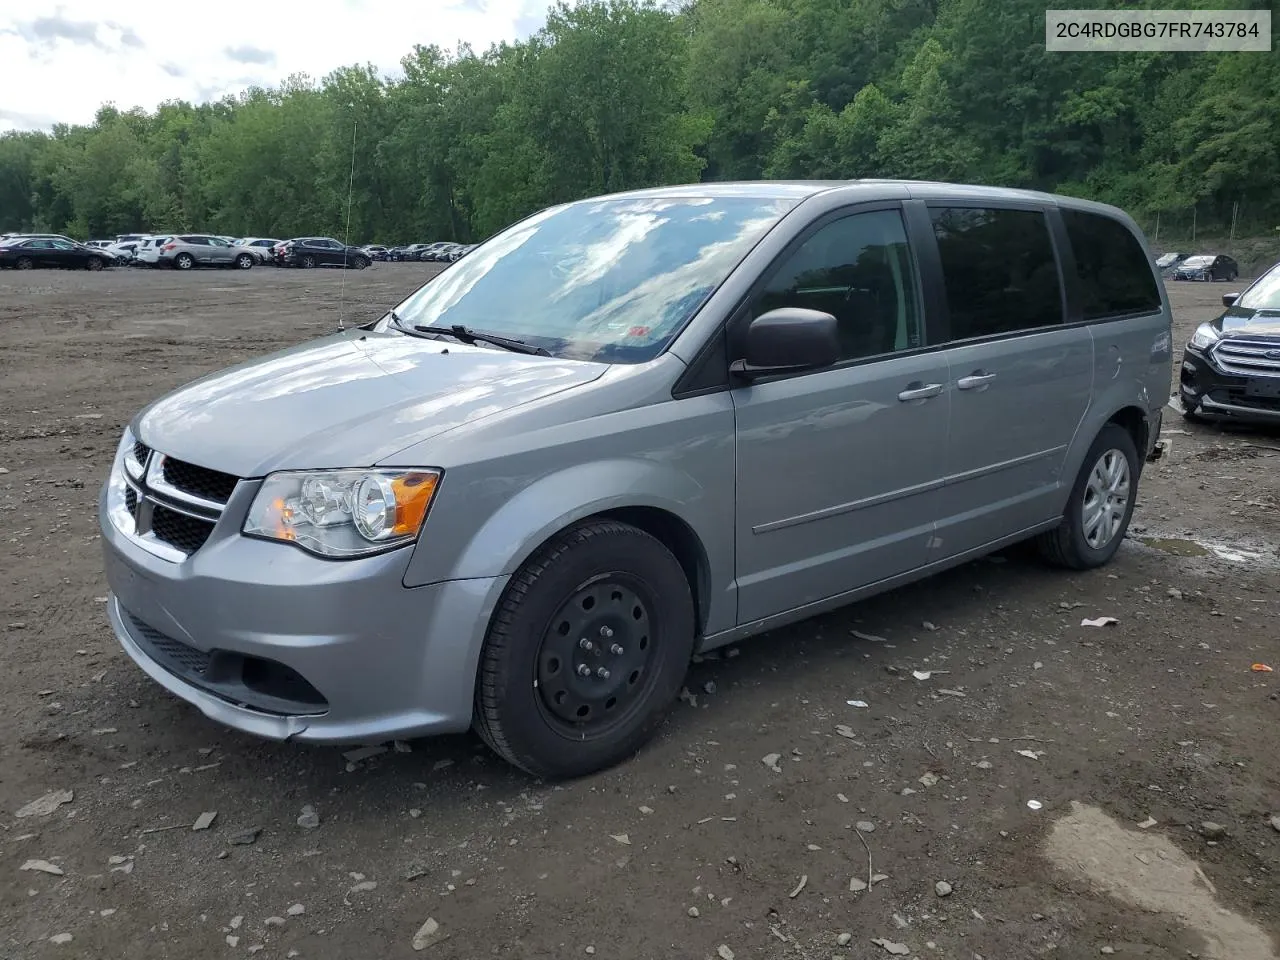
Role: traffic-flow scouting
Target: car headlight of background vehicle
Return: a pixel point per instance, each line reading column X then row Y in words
column 1204, row 337
column 343, row 513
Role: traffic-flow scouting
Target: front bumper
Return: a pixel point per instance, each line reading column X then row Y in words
column 267, row 639
column 1210, row 392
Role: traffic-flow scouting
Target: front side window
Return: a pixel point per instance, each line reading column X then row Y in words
column 1265, row 292
column 858, row 269
column 1111, row 267
column 999, row 270
column 610, row 280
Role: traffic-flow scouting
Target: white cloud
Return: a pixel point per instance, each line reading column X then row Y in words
column 63, row 60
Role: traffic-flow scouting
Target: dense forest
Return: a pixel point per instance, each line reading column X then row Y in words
column 615, row 94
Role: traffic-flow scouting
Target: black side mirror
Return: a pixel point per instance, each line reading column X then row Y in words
column 788, row 340
column 1229, row 299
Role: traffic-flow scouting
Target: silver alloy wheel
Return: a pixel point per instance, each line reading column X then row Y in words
column 1106, row 499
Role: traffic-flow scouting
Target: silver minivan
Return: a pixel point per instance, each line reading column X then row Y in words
column 626, row 430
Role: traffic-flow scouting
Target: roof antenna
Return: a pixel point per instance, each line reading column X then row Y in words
column 346, row 240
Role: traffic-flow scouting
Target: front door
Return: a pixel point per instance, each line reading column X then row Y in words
column 1021, row 379
column 839, row 470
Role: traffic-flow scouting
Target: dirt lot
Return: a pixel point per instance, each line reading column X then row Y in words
column 696, row 849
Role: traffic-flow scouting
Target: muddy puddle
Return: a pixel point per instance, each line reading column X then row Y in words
column 1145, row 869
column 1253, row 555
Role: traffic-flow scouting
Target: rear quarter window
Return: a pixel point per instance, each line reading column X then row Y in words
column 1115, row 277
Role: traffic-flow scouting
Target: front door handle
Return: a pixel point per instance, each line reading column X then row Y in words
column 920, row 391
column 975, row 381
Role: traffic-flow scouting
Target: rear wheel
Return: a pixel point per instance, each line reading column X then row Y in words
column 184, row 261
column 1100, row 506
column 586, row 651
column 244, row 261
column 308, row 261
column 24, row 263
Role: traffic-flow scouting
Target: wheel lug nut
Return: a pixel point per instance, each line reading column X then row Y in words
column 602, row 673
column 584, row 670
column 606, row 632
column 616, row 650
column 586, row 644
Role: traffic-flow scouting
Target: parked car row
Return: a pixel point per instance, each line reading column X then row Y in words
column 1203, row 266
column 185, row 251
column 441, row 252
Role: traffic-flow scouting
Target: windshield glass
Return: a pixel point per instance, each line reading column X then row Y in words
column 1167, row 259
column 609, row 280
column 1197, row 261
column 1264, row 294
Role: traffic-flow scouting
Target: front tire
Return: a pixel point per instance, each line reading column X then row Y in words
column 94, row 263
column 244, row 262
column 586, row 651
column 1100, row 506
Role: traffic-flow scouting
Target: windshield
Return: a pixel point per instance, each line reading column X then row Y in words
column 1197, row 261
column 1264, row 294
column 610, row 280
column 1167, row 259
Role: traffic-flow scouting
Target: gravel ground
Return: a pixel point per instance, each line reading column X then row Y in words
column 994, row 807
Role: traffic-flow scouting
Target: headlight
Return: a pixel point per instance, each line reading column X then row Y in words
column 1204, row 336
column 343, row 513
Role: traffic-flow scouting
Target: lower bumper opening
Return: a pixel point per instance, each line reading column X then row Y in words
column 257, row 683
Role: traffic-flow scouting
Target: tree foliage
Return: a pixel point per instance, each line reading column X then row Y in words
column 618, row 94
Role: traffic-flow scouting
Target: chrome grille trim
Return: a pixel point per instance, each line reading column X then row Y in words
column 138, row 488
column 1248, row 356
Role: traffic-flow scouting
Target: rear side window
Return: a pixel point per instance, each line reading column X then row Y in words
column 999, row 270
column 1115, row 278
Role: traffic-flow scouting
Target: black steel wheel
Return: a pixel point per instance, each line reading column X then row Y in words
column 586, row 651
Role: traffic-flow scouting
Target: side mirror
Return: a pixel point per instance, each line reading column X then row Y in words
column 788, row 340
column 1229, row 299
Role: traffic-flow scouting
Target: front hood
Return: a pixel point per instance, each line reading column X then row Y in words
column 345, row 401
column 1242, row 322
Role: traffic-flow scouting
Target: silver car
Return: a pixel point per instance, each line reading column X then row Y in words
column 626, row 430
column 185, row 251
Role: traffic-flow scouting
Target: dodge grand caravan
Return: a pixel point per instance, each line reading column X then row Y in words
column 625, row 430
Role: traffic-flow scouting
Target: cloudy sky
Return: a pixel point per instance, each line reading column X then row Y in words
column 62, row 59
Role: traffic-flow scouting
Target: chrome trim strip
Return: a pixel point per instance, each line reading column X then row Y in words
column 157, row 482
column 1209, row 405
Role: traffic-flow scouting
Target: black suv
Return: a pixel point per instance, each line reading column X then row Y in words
column 323, row 252
column 1231, row 366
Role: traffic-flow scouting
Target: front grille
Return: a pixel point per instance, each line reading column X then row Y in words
column 179, row 530
column 1249, row 356
column 172, row 654
column 130, row 499
column 199, row 481
column 140, row 451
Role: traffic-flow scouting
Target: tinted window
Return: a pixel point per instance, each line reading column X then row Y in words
column 859, row 270
column 999, row 270
column 1111, row 266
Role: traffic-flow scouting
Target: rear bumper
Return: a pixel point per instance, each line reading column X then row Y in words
column 1208, row 391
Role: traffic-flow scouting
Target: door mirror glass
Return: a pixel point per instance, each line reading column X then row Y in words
column 789, row 339
column 1229, row 299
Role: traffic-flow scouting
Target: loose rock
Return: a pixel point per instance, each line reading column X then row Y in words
column 296, row 910
column 427, row 934
column 942, row 888
column 205, row 820
column 865, row 826
column 897, row 949
column 245, row 837
column 770, row 760
column 309, row 819
column 1275, row 823
column 1212, row 831
column 60, row 938
column 693, row 912
column 724, row 952
column 709, row 687
column 43, row 866
column 45, row 805
column 844, row 939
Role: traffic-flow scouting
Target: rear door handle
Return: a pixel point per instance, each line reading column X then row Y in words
column 974, row 381
column 919, row 391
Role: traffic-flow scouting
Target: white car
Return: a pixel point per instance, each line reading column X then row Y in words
column 260, row 247
column 148, row 254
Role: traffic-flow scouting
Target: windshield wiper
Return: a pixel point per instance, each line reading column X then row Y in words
column 469, row 336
